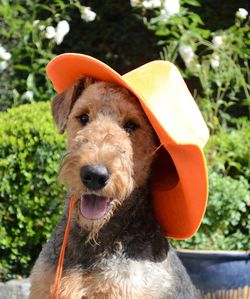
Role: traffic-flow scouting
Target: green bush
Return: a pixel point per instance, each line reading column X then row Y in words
column 30, row 196
column 228, row 152
column 226, row 225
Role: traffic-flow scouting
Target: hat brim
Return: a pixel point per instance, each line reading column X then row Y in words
column 179, row 186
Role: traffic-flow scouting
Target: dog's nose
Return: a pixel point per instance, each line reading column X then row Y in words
column 94, row 177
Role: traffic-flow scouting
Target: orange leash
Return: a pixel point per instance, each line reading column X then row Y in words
column 54, row 292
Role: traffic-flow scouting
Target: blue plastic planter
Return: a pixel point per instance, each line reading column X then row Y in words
column 219, row 272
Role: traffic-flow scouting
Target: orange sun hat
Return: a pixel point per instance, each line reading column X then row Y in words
column 179, row 184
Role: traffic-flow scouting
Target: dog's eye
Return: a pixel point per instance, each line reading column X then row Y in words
column 130, row 126
column 83, row 119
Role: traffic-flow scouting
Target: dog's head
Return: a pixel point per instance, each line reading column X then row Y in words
column 110, row 147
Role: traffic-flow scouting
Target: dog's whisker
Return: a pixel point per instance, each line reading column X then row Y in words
column 156, row 150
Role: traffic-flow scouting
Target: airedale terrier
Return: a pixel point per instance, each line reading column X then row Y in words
column 116, row 248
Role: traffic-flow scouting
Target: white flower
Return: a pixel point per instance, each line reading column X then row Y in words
column 88, row 15
column 61, row 30
column 171, row 7
column 148, row 4
column 217, row 41
column 198, row 66
column 41, row 27
column 50, row 32
column 187, row 54
column 242, row 13
column 4, row 55
column 3, row 65
column 29, row 95
column 57, row 33
column 215, row 61
column 36, row 22
column 134, row 3
column 163, row 17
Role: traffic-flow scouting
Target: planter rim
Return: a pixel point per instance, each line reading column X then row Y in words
column 216, row 254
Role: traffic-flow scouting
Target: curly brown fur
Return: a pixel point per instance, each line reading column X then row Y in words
column 124, row 253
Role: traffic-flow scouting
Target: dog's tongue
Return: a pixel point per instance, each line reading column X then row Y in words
column 93, row 206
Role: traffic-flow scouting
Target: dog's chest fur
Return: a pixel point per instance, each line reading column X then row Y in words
column 119, row 277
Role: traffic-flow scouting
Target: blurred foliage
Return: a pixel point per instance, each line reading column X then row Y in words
column 219, row 15
column 171, row 23
column 118, row 36
column 30, row 196
column 228, row 152
column 23, row 26
column 226, row 224
column 23, row 33
column 214, row 64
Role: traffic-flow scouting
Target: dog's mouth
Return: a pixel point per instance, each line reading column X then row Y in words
column 94, row 207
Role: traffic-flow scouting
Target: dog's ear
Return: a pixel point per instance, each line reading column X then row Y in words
column 63, row 103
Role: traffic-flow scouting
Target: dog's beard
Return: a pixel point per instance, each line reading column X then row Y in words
column 94, row 209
